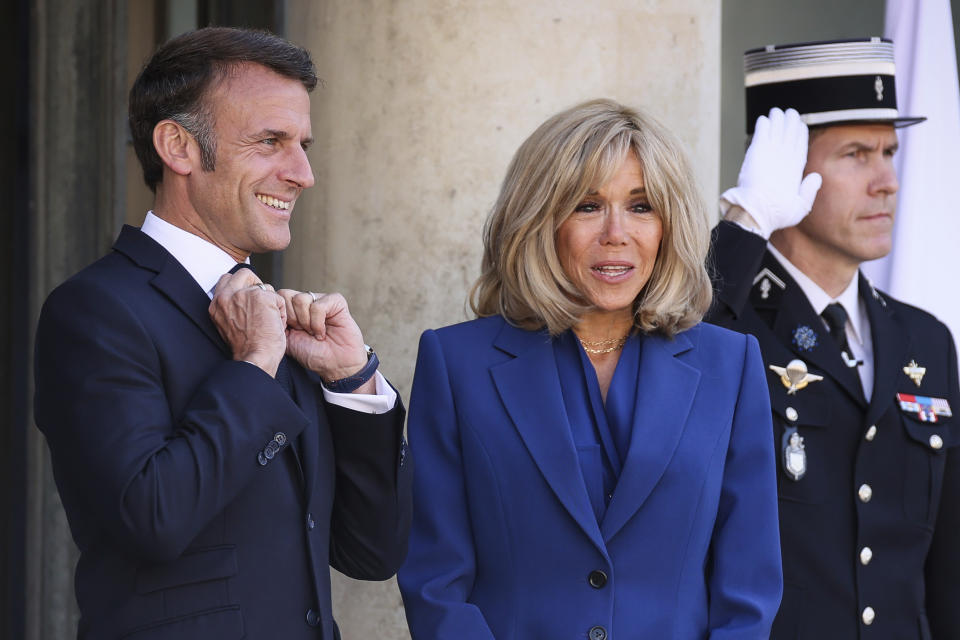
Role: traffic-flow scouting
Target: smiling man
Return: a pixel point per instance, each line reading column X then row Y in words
column 863, row 387
column 217, row 444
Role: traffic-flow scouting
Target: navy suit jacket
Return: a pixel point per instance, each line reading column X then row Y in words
column 505, row 543
column 155, row 434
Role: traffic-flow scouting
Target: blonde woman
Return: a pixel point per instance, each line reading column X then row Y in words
column 593, row 461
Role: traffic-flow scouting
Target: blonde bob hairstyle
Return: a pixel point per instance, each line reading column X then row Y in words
column 572, row 153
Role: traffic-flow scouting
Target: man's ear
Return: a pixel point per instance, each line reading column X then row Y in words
column 176, row 147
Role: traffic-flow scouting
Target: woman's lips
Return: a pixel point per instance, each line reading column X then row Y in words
column 612, row 272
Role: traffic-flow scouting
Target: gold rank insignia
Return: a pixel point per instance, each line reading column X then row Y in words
column 915, row 372
column 795, row 376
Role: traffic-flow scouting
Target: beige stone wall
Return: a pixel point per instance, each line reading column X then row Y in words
column 423, row 104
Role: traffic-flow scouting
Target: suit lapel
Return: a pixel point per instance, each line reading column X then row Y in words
column 306, row 448
column 529, row 387
column 658, row 425
column 792, row 316
column 184, row 292
column 178, row 286
column 172, row 280
column 891, row 345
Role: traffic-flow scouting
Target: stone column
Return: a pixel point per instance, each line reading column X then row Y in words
column 423, row 104
column 77, row 133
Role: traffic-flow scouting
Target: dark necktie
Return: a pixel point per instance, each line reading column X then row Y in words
column 283, row 369
column 836, row 317
column 242, row 265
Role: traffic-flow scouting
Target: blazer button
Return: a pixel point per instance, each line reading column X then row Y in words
column 597, row 579
column 262, row 459
column 313, row 618
column 597, row 633
column 311, row 523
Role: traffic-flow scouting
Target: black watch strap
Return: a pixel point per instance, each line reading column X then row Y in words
column 357, row 380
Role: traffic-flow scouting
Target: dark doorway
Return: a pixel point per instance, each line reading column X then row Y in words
column 14, row 318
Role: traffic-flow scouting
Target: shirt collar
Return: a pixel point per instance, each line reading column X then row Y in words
column 204, row 261
column 819, row 299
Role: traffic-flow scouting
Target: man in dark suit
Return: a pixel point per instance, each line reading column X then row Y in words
column 217, row 444
column 862, row 386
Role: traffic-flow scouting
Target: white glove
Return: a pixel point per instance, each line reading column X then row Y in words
column 769, row 187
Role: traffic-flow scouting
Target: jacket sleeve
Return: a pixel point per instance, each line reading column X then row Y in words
column 437, row 579
column 735, row 258
column 372, row 506
column 943, row 559
column 126, row 467
column 745, row 573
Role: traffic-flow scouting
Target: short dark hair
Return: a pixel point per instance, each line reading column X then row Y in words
column 175, row 82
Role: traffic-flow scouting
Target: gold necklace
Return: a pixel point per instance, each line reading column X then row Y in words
column 603, row 346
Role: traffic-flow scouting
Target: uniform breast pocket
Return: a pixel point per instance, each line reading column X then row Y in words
column 927, row 444
column 802, row 450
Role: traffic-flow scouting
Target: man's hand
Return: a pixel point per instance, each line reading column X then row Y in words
column 323, row 336
column 251, row 318
column 771, row 187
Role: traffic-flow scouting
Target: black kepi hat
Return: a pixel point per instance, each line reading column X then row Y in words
column 826, row 82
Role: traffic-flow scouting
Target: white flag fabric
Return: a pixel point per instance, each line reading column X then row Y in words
column 923, row 268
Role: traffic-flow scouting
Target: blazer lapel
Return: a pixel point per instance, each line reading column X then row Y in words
column 306, row 448
column 665, row 392
column 172, row 280
column 529, row 387
column 891, row 346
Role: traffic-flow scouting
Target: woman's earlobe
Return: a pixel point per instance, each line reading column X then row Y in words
column 173, row 144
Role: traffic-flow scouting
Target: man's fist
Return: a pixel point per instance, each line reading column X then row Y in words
column 251, row 318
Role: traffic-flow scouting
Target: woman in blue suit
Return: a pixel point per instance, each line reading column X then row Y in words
column 593, row 461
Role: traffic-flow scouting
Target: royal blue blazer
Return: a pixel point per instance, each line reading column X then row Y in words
column 505, row 543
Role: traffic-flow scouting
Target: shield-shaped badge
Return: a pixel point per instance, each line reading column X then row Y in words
column 794, row 454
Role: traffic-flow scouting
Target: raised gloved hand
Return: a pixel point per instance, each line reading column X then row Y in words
column 771, row 186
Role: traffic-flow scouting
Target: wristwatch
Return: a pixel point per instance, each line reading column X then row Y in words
column 357, row 380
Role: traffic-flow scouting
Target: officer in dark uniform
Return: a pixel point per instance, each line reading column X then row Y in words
column 863, row 387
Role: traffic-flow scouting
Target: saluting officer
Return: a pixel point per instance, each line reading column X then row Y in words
column 862, row 386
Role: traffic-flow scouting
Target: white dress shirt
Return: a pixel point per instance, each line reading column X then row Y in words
column 858, row 323
column 206, row 262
